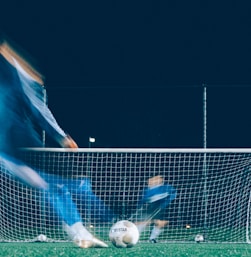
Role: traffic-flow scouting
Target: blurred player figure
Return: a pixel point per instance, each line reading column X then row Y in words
column 22, row 110
column 151, row 207
column 90, row 205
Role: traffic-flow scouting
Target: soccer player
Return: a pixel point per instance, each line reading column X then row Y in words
column 151, row 207
column 22, row 110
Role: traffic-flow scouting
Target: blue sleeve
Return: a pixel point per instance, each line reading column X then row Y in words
column 34, row 97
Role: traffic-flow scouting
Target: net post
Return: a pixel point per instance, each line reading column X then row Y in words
column 205, row 194
column 205, row 116
column 91, row 141
column 45, row 104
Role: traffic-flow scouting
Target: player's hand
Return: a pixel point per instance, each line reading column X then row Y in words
column 68, row 142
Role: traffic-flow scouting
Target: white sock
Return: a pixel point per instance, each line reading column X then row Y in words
column 78, row 231
column 155, row 232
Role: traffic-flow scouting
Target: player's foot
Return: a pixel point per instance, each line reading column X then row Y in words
column 153, row 241
column 93, row 243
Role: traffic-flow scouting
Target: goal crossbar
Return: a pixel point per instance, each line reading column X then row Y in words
column 143, row 150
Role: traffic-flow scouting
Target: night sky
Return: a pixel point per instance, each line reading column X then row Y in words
column 130, row 73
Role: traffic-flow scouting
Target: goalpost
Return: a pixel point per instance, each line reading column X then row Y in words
column 221, row 211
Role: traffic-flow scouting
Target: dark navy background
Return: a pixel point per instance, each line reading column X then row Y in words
column 130, row 73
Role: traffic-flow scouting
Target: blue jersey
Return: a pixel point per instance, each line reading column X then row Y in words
column 160, row 195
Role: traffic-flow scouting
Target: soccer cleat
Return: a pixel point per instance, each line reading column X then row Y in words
column 153, row 241
column 93, row 243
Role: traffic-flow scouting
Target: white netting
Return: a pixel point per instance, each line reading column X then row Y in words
column 213, row 192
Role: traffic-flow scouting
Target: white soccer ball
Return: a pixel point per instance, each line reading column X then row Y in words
column 199, row 238
column 42, row 238
column 124, row 234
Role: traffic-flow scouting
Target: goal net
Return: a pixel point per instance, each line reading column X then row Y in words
column 213, row 192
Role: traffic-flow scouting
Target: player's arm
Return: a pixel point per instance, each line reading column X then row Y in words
column 41, row 114
column 68, row 142
column 45, row 119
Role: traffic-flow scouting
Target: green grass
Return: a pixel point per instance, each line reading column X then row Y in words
column 141, row 249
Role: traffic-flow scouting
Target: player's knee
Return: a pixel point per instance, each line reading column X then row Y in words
column 161, row 223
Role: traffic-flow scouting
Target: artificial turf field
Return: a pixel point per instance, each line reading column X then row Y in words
column 141, row 249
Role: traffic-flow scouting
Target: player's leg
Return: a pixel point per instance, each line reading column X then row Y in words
column 91, row 204
column 153, row 213
column 22, row 172
column 143, row 217
column 60, row 198
column 157, row 229
column 146, row 215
